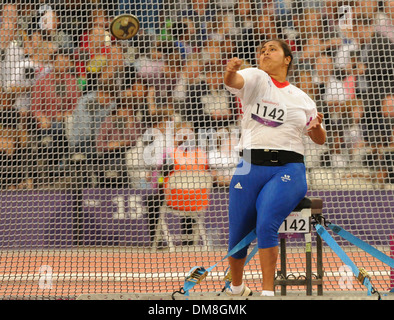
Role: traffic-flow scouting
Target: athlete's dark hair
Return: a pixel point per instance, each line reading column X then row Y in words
column 285, row 47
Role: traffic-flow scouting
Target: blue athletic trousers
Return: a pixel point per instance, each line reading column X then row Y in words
column 262, row 197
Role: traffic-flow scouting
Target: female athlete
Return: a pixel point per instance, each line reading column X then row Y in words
column 270, row 180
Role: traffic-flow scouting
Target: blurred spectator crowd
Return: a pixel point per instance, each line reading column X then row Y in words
column 78, row 104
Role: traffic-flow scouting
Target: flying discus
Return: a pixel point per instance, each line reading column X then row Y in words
column 125, row 26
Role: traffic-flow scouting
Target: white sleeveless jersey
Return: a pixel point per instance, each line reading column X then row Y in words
column 275, row 115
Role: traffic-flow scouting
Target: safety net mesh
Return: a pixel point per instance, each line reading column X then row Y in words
column 117, row 155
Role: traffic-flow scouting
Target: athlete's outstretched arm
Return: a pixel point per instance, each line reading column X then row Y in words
column 231, row 78
column 315, row 131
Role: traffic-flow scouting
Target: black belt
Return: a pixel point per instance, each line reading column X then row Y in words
column 268, row 157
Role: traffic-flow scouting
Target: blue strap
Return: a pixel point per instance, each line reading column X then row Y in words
column 362, row 245
column 251, row 254
column 242, row 244
column 189, row 284
column 342, row 255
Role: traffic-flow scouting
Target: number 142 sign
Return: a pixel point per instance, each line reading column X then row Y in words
column 297, row 222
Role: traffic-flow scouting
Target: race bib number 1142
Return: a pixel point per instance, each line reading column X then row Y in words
column 269, row 113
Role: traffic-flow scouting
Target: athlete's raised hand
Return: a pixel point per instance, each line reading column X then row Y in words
column 231, row 78
column 234, row 64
